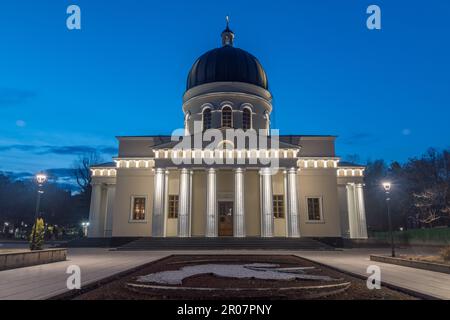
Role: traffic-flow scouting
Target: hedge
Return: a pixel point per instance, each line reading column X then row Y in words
column 436, row 235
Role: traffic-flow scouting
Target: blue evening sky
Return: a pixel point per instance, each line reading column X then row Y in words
column 386, row 93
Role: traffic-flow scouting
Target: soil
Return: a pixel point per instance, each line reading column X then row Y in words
column 119, row 288
column 425, row 258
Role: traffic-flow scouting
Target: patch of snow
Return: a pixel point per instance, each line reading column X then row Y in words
column 255, row 270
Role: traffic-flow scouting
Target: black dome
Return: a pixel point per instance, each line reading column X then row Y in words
column 227, row 64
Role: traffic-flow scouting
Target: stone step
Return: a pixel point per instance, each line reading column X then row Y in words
column 224, row 243
column 98, row 242
column 197, row 243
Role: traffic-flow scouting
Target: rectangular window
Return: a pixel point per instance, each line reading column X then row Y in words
column 246, row 119
column 206, row 119
column 278, row 206
column 227, row 117
column 314, row 209
column 173, row 207
column 138, row 213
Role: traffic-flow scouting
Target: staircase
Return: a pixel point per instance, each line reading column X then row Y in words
column 224, row 244
column 97, row 242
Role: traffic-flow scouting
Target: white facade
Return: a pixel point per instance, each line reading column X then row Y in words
column 250, row 190
column 145, row 193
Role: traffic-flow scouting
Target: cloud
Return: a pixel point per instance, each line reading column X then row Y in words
column 19, row 147
column 18, row 175
column 21, row 123
column 59, row 150
column 12, row 97
column 406, row 132
column 64, row 150
column 63, row 177
column 61, row 172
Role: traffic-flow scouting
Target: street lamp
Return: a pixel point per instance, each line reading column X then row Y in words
column 85, row 228
column 387, row 189
column 40, row 179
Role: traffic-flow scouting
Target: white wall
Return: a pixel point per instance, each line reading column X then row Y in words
column 132, row 182
column 321, row 183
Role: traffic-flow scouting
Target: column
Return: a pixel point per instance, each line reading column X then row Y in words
column 352, row 211
column 239, row 204
column 211, row 203
column 184, row 203
column 292, row 204
column 94, row 210
column 158, row 204
column 110, row 195
column 266, row 203
column 189, row 227
column 361, row 211
column 166, row 203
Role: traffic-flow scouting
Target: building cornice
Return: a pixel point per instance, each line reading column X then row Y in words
column 266, row 103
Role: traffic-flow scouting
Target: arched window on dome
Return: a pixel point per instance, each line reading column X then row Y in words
column 227, row 117
column 246, row 119
column 206, row 119
column 225, row 145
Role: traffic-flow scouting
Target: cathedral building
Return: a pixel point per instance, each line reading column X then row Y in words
column 284, row 186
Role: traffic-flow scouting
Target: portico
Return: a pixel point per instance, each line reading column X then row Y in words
column 233, row 202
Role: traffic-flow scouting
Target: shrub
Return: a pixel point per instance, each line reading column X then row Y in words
column 38, row 242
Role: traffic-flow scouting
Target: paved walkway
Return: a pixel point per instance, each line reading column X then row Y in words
column 430, row 283
column 45, row 281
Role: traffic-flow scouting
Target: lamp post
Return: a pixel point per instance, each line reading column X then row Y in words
column 5, row 226
column 387, row 190
column 85, row 228
column 40, row 179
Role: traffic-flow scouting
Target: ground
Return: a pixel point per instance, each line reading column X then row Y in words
column 46, row 281
column 425, row 258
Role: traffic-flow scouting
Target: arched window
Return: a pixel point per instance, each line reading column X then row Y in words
column 227, row 117
column 225, row 145
column 247, row 119
column 206, row 119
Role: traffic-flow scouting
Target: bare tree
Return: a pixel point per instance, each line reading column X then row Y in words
column 432, row 203
column 82, row 170
column 425, row 203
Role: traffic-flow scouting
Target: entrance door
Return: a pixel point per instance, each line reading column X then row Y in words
column 225, row 219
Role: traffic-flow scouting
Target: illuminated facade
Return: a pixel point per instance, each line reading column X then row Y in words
column 155, row 189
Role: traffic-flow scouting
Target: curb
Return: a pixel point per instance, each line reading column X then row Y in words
column 389, row 285
column 423, row 265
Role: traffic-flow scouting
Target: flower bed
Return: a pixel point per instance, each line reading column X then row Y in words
column 213, row 283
